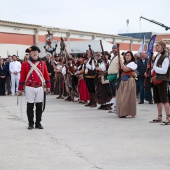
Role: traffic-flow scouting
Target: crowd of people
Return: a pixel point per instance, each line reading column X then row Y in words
column 109, row 79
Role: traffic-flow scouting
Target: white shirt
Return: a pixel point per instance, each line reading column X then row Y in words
column 162, row 69
column 58, row 67
column 102, row 66
column 64, row 70
column 92, row 66
column 15, row 66
column 132, row 65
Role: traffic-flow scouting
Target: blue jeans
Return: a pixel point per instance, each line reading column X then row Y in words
column 144, row 94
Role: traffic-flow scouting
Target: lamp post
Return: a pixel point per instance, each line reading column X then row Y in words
column 127, row 22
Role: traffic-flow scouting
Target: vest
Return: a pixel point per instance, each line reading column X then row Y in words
column 166, row 76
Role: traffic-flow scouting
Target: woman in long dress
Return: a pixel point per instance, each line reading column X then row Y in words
column 103, row 94
column 84, row 95
column 126, row 93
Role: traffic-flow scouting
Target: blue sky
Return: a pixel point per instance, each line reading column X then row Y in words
column 102, row 16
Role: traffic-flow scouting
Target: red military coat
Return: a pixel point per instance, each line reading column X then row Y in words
column 33, row 79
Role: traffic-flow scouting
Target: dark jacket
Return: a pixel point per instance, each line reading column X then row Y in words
column 7, row 67
column 50, row 68
column 3, row 71
column 141, row 67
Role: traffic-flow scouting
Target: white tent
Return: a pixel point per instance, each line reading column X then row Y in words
column 80, row 46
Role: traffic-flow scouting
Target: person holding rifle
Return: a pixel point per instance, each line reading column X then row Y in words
column 126, row 94
column 89, row 74
column 113, row 74
column 160, row 78
column 103, row 92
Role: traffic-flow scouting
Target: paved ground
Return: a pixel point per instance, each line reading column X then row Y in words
column 79, row 138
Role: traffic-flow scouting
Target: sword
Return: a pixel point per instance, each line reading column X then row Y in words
column 44, row 101
column 17, row 100
column 20, row 106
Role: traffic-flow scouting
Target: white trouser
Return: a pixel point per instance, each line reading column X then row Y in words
column 14, row 80
column 34, row 95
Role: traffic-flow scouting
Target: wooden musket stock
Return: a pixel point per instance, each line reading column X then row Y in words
column 118, row 52
column 148, row 71
column 105, row 60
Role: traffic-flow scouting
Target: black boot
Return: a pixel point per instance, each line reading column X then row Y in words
column 30, row 115
column 38, row 115
column 94, row 104
column 90, row 102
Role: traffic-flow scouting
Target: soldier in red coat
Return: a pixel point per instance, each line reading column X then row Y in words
column 34, row 79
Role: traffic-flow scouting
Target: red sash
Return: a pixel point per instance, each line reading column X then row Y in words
column 155, row 81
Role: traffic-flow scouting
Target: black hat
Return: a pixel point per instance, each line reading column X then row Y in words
column 78, row 55
column 107, row 53
column 32, row 48
column 82, row 56
column 123, row 53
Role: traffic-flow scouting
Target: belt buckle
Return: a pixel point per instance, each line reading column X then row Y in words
column 36, row 86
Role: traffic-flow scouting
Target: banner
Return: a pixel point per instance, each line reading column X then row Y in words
column 151, row 45
column 142, row 45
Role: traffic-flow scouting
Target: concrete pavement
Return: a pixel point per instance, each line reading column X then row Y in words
column 80, row 138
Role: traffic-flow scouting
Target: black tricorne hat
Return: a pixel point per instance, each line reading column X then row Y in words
column 107, row 53
column 78, row 55
column 32, row 48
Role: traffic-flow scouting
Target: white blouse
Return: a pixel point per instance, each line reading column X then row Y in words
column 162, row 69
column 132, row 65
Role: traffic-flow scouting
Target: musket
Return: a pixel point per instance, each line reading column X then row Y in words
column 103, row 52
column 63, row 49
column 91, row 52
column 92, row 56
column 148, row 71
column 118, row 53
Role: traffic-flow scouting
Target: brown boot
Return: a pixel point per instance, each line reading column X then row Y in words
column 107, row 107
column 94, row 104
column 90, row 102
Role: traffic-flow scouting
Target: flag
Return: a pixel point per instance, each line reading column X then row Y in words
column 151, row 45
column 142, row 45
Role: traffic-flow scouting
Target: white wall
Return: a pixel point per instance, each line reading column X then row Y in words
column 11, row 49
column 17, row 30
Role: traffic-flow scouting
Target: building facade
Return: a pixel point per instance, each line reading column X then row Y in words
column 16, row 37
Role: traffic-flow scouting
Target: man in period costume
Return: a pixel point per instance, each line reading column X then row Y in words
column 161, row 76
column 35, row 77
column 89, row 74
column 113, row 75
